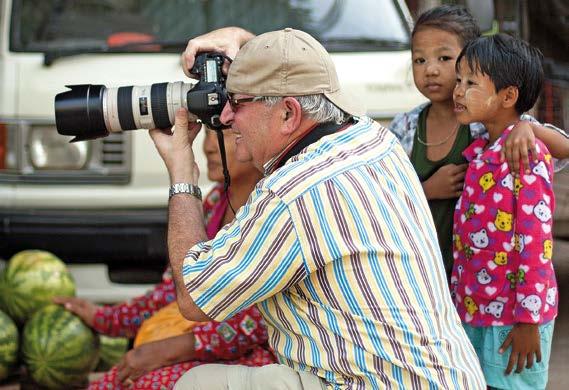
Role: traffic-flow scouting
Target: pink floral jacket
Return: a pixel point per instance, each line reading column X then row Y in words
column 503, row 272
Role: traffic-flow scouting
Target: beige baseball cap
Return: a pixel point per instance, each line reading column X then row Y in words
column 288, row 63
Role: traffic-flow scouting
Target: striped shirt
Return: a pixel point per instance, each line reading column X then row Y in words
column 338, row 250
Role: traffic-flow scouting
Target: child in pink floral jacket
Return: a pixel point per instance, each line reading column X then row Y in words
column 503, row 281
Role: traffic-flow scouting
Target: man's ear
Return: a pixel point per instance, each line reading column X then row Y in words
column 509, row 96
column 291, row 115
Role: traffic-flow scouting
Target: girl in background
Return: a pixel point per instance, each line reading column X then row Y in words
column 431, row 133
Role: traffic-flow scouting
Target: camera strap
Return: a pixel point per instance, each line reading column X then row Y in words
column 226, row 177
column 321, row 130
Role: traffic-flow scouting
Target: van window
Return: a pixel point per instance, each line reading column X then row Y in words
column 341, row 25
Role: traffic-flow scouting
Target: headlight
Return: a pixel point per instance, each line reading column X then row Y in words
column 49, row 150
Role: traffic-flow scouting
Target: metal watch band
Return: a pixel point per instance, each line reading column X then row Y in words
column 185, row 188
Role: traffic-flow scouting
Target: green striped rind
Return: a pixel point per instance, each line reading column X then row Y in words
column 8, row 345
column 111, row 351
column 29, row 282
column 58, row 349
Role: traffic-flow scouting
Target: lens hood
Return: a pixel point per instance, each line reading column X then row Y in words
column 79, row 112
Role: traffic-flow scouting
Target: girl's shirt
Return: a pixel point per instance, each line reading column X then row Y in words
column 503, row 272
column 441, row 209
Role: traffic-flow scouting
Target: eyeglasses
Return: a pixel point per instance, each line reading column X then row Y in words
column 234, row 103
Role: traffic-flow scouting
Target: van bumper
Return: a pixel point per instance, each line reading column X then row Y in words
column 118, row 238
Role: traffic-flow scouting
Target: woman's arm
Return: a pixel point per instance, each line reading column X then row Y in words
column 148, row 357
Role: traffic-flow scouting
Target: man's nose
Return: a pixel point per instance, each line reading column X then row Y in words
column 226, row 115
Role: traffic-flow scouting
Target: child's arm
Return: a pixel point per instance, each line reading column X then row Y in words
column 446, row 182
column 521, row 143
column 532, row 248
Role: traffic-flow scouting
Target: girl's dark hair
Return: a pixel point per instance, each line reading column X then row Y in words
column 508, row 62
column 454, row 19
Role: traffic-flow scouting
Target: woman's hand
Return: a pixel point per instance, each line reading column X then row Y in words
column 525, row 342
column 81, row 307
column 149, row 357
column 519, row 144
column 446, row 182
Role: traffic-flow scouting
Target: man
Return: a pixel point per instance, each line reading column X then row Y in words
column 335, row 245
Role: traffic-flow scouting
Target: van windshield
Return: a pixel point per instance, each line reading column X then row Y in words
column 341, row 25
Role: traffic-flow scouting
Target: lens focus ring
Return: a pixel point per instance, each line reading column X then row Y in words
column 159, row 103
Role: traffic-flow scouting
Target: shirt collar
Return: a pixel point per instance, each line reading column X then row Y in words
column 491, row 155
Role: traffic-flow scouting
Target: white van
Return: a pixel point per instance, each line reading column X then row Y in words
column 101, row 205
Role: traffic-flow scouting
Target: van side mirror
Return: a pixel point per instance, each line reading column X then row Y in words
column 483, row 12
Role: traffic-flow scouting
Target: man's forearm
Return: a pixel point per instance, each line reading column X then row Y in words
column 185, row 229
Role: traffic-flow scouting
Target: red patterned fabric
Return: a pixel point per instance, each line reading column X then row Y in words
column 239, row 340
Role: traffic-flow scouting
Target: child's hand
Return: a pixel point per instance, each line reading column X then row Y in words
column 525, row 342
column 518, row 146
column 446, row 182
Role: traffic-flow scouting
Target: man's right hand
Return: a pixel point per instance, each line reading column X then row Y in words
column 81, row 307
column 227, row 40
column 445, row 183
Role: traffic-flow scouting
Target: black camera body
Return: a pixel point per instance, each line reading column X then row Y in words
column 90, row 111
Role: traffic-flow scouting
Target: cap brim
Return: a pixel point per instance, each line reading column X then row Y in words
column 346, row 102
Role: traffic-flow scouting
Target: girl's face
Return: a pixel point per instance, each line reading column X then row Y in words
column 434, row 54
column 236, row 168
column 475, row 97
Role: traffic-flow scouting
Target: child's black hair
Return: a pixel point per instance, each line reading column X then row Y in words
column 507, row 61
column 454, row 19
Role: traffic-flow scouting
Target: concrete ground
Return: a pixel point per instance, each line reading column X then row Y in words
column 559, row 362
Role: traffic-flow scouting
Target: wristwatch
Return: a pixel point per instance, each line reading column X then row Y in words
column 185, row 188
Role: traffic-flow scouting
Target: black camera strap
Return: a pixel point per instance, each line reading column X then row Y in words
column 321, row 130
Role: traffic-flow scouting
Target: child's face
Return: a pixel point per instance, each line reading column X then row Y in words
column 434, row 55
column 475, row 96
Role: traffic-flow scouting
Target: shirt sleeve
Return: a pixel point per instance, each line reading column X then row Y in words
column 124, row 319
column 250, row 260
column 533, row 239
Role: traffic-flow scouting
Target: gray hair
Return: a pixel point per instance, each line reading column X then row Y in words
column 315, row 107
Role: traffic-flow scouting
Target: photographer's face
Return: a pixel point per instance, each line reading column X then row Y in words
column 251, row 124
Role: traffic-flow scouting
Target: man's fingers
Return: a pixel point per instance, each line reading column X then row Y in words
column 538, row 355
column 189, row 57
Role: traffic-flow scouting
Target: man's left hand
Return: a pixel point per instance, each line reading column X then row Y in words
column 175, row 148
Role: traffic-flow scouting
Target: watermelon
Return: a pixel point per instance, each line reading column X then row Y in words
column 8, row 345
column 112, row 350
column 58, row 349
column 29, row 282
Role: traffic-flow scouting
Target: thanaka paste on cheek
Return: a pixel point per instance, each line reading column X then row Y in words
column 475, row 103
